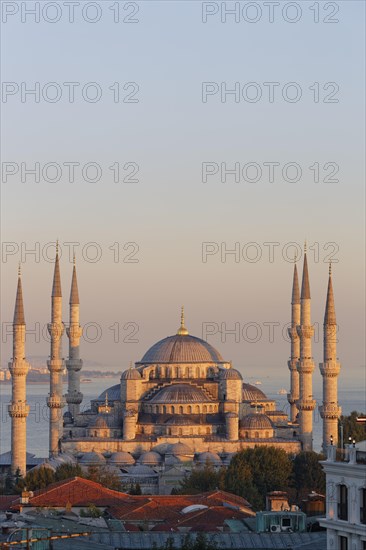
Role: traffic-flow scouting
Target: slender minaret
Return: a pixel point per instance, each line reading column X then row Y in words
column 18, row 408
column 74, row 397
column 330, row 410
column 305, row 366
column 293, row 396
column 55, row 400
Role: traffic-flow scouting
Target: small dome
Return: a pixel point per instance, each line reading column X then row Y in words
column 180, row 393
column 92, row 458
column 103, row 421
column 256, row 421
column 121, row 458
column 213, row 458
column 182, row 348
column 114, row 393
column 227, row 458
column 252, row 393
column 230, row 374
column 131, row 374
column 178, row 449
column 150, row 458
column 141, row 470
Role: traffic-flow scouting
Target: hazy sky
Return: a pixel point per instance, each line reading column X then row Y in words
column 163, row 126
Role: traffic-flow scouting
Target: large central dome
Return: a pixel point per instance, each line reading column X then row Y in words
column 182, row 349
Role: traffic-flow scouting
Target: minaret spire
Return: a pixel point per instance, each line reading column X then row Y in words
column 55, row 400
column 182, row 331
column 18, row 408
column 74, row 364
column 293, row 396
column 305, row 365
column 330, row 368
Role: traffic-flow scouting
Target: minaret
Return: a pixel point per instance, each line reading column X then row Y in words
column 305, row 366
column 18, row 408
column 55, row 401
column 330, row 410
column 74, row 397
column 293, row 396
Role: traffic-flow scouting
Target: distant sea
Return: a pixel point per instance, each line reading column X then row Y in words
column 350, row 399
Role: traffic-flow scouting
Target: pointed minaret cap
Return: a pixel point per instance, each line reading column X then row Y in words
column 295, row 287
column 305, row 287
column 182, row 331
column 74, row 294
column 19, row 318
column 330, row 316
column 56, row 287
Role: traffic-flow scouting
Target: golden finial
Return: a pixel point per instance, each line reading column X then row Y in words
column 295, row 258
column 131, row 364
column 330, row 268
column 305, row 246
column 57, row 247
column 19, row 269
column 106, row 400
column 182, row 331
column 74, row 259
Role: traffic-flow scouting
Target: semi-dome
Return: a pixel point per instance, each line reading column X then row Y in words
column 252, row 393
column 182, row 348
column 92, row 458
column 121, row 458
column 208, row 456
column 131, row 374
column 150, row 458
column 256, row 421
column 230, row 374
column 141, row 470
column 114, row 393
column 180, row 393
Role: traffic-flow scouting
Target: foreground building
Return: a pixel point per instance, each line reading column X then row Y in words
column 346, row 498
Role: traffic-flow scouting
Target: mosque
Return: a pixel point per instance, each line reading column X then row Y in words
column 181, row 404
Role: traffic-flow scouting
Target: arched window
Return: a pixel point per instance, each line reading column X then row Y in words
column 205, row 408
column 197, row 409
column 211, row 409
column 172, row 410
column 256, row 435
column 208, row 431
column 181, row 410
column 294, row 434
column 156, row 409
column 95, row 433
column 343, row 502
column 169, row 431
column 189, row 409
column 151, row 375
column 198, row 374
column 267, row 435
column 247, row 435
column 180, row 432
column 164, row 409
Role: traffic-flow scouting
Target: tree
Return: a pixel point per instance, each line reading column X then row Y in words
column 104, row 476
column 253, row 473
column 201, row 480
column 351, row 428
column 308, row 474
column 67, row 471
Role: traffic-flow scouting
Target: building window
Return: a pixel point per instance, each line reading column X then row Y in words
column 343, row 543
column 256, row 435
column 197, row 409
column 342, row 502
column 208, row 431
column 363, row 506
column 164, row 409
column 205, row 408
column 173, row 410
column 181, row 410
column 180, row 432
column 189, row 409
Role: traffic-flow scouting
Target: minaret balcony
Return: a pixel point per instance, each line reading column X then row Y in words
column 55, row 330
column 292, row 364
column 292, row 332
column 18, row 368
column 56, row 365
column 306, row 404
column 330, row 369
column 74, row 332
column 292, row 399
column 305, row 331
column 56, row 401
column 74, row 364
column 330, row 410
column 306, row 366
column 18, row 410
column 74, row 398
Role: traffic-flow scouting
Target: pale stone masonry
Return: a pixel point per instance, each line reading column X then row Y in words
column 55, row 400
column 305, row 366
column 18, row 408
column 74, row 364
column 330, row 368
column 293, row 396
